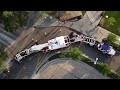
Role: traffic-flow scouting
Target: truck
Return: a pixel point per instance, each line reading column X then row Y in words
column 65, row 41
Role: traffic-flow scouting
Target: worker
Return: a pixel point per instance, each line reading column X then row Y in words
column 32, row 39
column 45, row 33
column 60, row 30
column 36, row 42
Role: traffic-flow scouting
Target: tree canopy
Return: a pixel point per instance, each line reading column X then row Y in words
column 13, row 19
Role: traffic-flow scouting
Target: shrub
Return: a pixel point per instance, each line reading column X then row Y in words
column 103, row 68
column 74, row 53
column 116, row 46
column 111, row 38
column 111, row 21
column 114, row 75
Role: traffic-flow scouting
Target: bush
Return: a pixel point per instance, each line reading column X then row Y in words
column 111, row 38
column 114, row 75
column 103, row 68
column 74, row 53
column 116, row 46
column 111, row 21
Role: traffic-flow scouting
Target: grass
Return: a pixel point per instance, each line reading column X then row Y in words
column 112, row 28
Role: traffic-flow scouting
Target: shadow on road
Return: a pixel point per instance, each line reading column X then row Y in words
column 25, row 69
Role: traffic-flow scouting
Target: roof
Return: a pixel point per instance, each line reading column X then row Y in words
column 70, row 14
column 67, row 69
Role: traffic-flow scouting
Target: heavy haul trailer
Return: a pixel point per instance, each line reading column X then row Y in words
column 65, row 41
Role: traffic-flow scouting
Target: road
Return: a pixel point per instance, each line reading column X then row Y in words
column 6, row 38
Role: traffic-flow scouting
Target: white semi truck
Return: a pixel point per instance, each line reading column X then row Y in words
column 65, row 41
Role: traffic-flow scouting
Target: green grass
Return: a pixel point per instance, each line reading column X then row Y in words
column 116, row 27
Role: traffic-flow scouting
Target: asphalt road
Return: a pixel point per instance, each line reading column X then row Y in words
column 23, row 70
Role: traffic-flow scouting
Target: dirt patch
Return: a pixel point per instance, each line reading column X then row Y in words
column 114, row 62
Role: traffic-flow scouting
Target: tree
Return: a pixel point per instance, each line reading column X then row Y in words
column 13, row 19
column 111, row 21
